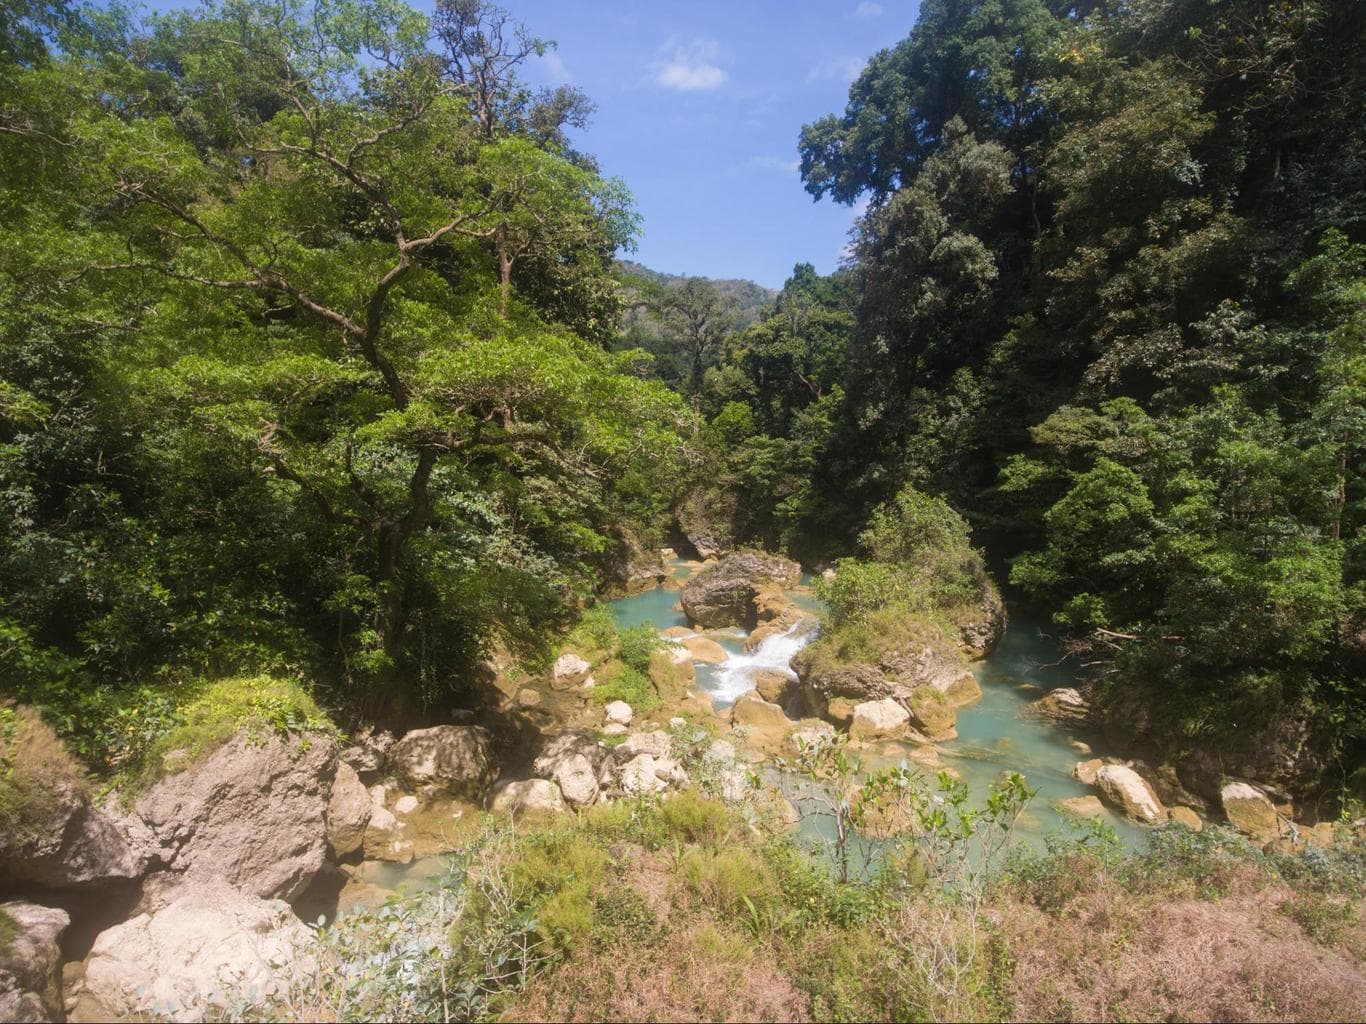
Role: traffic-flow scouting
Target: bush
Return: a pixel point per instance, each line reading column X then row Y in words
column 622, row 682
column 217, row 711
column 596, row 632
column 636, row 644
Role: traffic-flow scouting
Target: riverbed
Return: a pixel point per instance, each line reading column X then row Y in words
column 995, row 734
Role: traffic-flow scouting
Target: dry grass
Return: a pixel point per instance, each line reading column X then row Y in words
column 38, row 777
column 704, row 971
column 1111, row 956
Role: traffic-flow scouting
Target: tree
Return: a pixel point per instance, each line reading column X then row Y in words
column 698, row 317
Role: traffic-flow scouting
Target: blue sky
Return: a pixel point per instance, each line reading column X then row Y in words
column 699, row 108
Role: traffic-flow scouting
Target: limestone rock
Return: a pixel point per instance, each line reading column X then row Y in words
column 878, row 719
column 31, row 963
column 1125, row 789
column 1250, row 810
column 454, row 759
column 1085, row 771
column 774, row 686
column 768, row 727
column 367, row 752
column 531, row 796
column 348, row 812
column 724, row 594
column 1082, row 806
column 620, row 712
column 655, row 743
column 252, row 813
column 384, row 838
column 1065, row 704
column 570, row 671
column 1185, row 816
column 705, row 650
column 212, row 946
column 982, row 631
column 79, row 845
column 639, row 777
column 933, row 713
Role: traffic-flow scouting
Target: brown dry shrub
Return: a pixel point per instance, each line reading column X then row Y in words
column 38, row 777
column 1113, row 956
column 703, row 971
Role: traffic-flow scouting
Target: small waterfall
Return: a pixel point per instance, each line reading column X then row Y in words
column 735, row 675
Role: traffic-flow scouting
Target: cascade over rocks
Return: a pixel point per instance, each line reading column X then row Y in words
column 211, row 946
column 724, row 594
column 31, row 963
column 252, row 813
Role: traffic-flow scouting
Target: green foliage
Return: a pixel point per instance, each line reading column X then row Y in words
column 636, row 645
column 212, row 713
column 622, row 682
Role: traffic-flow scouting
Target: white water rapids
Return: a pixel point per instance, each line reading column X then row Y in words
column 735, row 676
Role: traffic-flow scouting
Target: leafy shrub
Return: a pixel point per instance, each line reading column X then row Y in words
column 693, row 818
column 622, row 682
column 596, row 632
column 8, row 930
column 636, row 644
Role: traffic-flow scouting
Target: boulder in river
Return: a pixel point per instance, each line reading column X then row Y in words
column 213, row 946
column 879, row 719
column 766, row 725
column 31, row 962
column 1065, row 704
column 452, row 759
column 724, row 594
column 1125, row 789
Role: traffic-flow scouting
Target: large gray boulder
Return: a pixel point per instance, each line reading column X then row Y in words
column 31, row 962
column 452, row 759
column 79, row 845
column 724, row 594
column 253, row 812
column 213, row 946
column 348, row 812
column 1123, row 788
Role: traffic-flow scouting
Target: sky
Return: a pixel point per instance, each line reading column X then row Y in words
column 699, row 105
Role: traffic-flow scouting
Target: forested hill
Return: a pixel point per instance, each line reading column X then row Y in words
column 748, row 297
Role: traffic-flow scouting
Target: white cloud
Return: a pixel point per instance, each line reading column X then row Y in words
column 690, row 67
column 773, row 163
column 844, row 69
column 868, row 11
column 555, row 70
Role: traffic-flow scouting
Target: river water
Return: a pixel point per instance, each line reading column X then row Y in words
column 995, row 734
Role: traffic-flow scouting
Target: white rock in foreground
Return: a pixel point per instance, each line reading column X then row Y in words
column 620, row 712
column 532, row 796
column 570, row 670
column 875, row 719
column 213, row 946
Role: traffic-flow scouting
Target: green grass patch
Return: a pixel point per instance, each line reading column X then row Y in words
column 217, row 711
column 619, row 681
